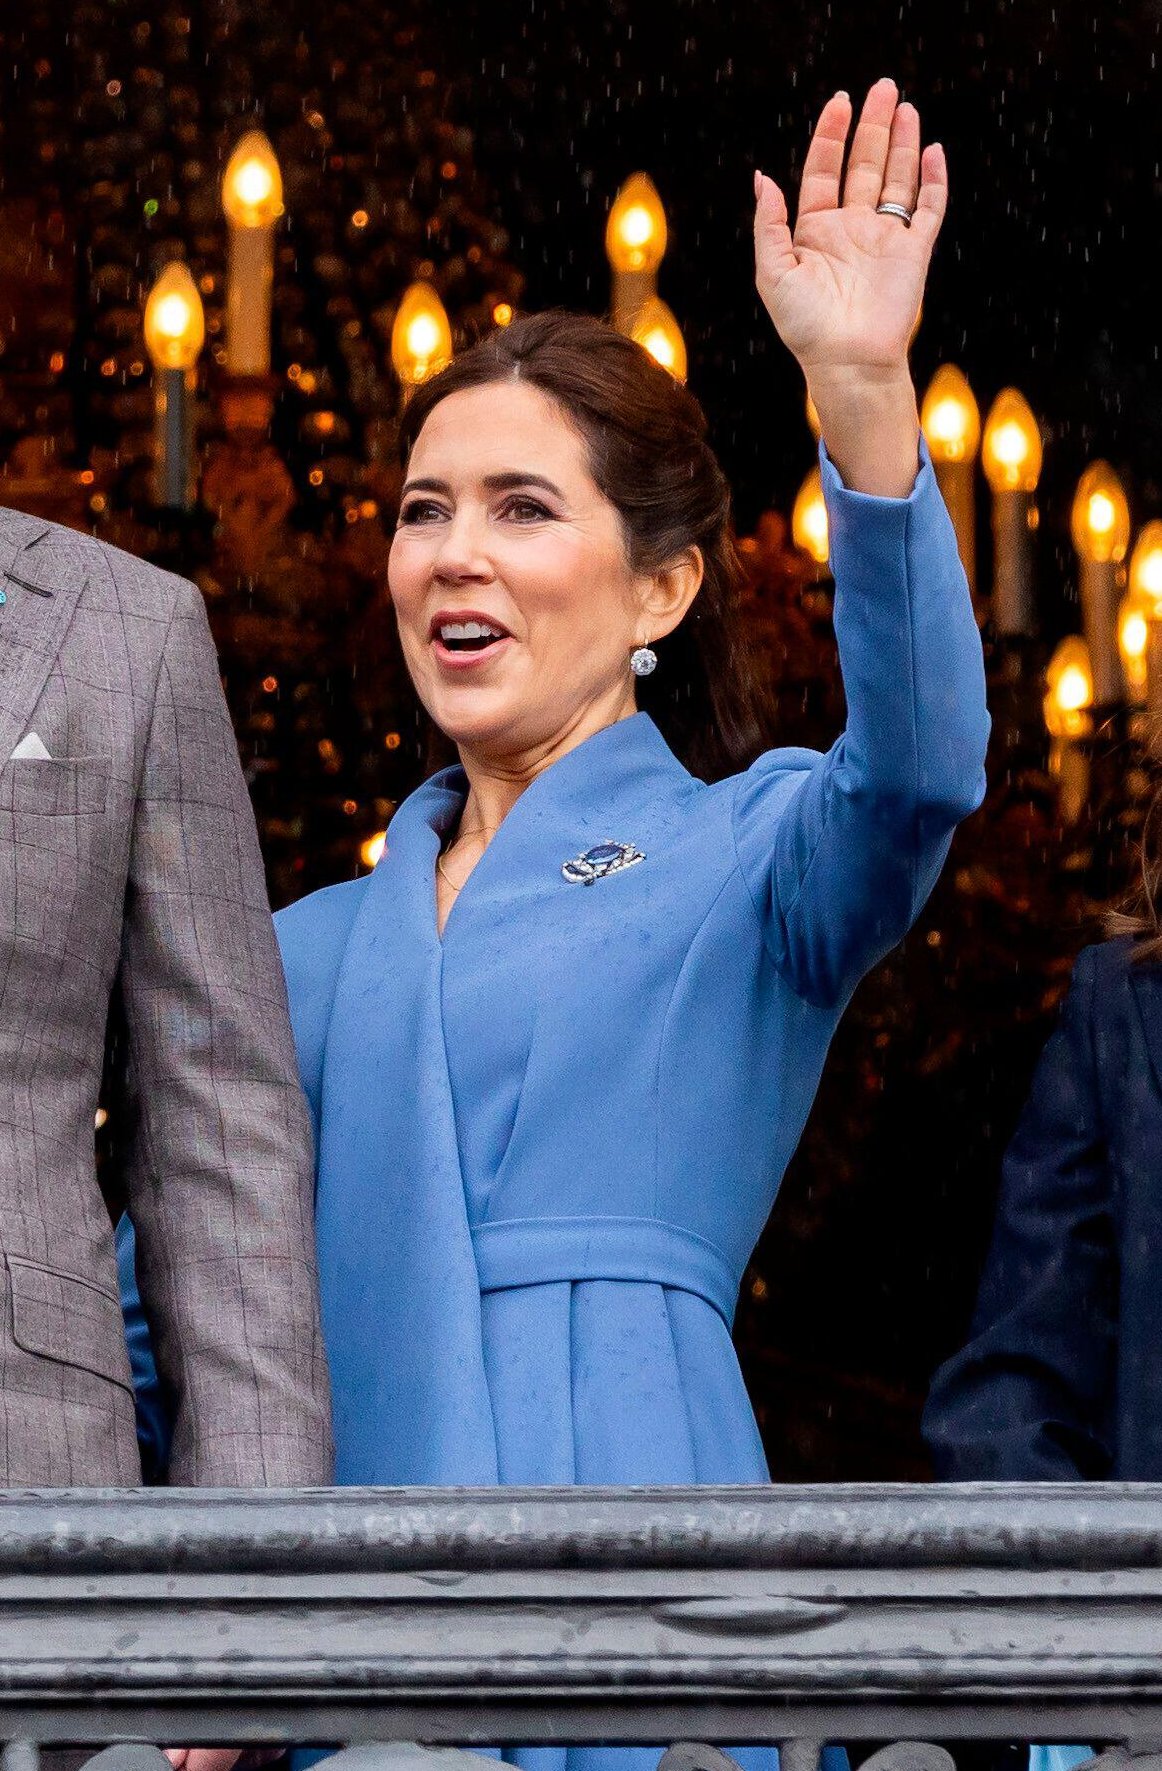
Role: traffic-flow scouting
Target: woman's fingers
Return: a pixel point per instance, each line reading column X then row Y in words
column 933, row 198
column 823, row 166
column 902, row 172
column 867, row 163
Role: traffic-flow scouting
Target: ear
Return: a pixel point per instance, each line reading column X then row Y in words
column 667, row 593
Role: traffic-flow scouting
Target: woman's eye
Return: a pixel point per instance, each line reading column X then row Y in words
column 526, row 510
column 419, row 510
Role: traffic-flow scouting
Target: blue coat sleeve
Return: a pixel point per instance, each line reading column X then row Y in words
column 154, row 1424
column 1030, row 1397
column 840, row 851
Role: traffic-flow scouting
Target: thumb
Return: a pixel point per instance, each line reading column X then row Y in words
column 774, row 250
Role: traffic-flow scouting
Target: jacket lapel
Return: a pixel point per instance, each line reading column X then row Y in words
column 42, row 574
column 397, row 1272
column 1146, row 981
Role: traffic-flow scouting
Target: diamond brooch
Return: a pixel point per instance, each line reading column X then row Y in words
column 595, row 863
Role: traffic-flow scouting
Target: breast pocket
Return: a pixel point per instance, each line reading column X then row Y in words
column 55, row 787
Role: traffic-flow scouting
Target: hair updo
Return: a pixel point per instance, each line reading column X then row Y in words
column 645, row 435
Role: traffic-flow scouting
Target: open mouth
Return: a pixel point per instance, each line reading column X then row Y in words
column 467, row 638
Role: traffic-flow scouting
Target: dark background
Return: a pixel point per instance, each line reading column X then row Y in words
column 115, row 120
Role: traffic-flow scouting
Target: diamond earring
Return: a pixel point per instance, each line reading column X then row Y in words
column 644, row 661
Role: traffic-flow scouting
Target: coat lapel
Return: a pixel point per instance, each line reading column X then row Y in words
column 398, row 1279
column 1146, row 981
column 42, row 573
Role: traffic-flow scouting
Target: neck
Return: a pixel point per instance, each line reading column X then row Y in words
column 497, row 779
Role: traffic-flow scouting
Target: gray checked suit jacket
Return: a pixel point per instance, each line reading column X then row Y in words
column 130, row 874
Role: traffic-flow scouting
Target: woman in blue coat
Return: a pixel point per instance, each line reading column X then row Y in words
column 560, row 1045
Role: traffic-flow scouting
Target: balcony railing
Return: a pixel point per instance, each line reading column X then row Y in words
column 728, row 1615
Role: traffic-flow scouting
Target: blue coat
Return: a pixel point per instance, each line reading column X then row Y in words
column 547, row 1143
column 1062, row 1375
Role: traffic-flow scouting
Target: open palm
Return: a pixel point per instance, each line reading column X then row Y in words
column 844, row 288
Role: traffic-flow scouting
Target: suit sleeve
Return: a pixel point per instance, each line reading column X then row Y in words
column 1029, row 1397
column 217, row 1153
column 840, row 851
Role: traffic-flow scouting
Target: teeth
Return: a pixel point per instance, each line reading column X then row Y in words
column 468, row 630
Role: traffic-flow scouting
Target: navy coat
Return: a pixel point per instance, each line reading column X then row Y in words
column 1062, row 1376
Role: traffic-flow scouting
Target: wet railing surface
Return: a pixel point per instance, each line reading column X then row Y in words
column 464, row 1617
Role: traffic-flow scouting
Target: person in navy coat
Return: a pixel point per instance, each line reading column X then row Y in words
column 1060, row 1379
column 561, row 1043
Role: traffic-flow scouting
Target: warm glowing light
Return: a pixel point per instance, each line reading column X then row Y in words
column 1134, row 615
column 809, row 519
column 635, row 234
column 1070, row 696
column 1146, row 567
column 950, row 417
column 252, row 184
column 372, row 849
column 1101, row 516
column 421, row 338
column 175, row 326
column 502, row 314
column 658, row 332
column 1011, row 447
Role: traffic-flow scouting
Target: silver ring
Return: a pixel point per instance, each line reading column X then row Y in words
column 898, row 210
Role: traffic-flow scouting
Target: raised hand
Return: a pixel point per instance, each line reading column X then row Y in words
column 844, row 288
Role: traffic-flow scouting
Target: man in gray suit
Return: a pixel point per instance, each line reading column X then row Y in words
column 131, row 892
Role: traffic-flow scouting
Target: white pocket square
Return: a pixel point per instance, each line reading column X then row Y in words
column 31, row 746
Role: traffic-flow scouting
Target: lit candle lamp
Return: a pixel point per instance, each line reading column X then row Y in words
column 252, row 199
column 635, row 243
column 1068, row 719
column 658, row 333
column 1140, row 628
column 421, row 337
column 1136, row 611
column 1101, row 534
column 950, row 419
column 1011, row 455
column 175, row 331
column 809, row 522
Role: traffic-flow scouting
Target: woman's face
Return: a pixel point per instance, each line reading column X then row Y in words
column 516, row 604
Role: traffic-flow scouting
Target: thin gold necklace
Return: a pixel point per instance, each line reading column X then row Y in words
column 481, row 830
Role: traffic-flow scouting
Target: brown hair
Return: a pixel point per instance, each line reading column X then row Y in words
column 648, row 455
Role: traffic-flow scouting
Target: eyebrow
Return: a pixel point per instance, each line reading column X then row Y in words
column 493, row 482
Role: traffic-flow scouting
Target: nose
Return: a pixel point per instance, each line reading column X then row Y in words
column 462, row 555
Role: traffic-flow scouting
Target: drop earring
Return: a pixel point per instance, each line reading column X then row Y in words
column 644, row 661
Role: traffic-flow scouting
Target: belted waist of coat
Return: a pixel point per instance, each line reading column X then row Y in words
column 543, row 1251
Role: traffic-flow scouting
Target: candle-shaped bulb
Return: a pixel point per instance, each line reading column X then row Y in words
column 371, row 850
column 175, row 326
column 1070, row 690
column 950, row 417
column 1011, row 446
column 1146, row 566
column 809, row 519
column 1101, row 517
column 421, row 338
column 658, row 332
column 635, row 234
column 252, row 183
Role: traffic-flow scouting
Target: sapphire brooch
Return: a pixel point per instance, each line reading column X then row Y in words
column 595, row 863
